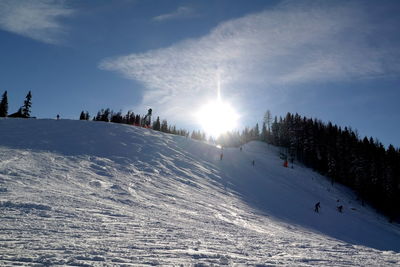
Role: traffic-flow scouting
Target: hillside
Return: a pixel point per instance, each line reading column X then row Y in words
column 88, row 193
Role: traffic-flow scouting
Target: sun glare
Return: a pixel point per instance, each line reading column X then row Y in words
column 217, row 117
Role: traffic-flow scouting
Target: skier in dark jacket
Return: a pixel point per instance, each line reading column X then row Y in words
column 317, row 207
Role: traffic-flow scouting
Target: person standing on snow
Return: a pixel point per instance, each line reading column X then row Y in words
column 340, row 208
column 317, row 207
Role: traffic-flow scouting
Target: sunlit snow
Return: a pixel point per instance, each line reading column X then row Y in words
column 90, row 193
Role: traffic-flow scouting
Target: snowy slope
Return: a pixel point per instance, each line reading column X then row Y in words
column 99, row 194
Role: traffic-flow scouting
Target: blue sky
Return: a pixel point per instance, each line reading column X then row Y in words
column 334, row 60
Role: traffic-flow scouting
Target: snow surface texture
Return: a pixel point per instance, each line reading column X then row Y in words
column 87, row 193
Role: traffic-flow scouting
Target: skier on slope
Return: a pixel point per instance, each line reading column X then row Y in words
column 340, row 208
column 317, row 207
column 285, row 163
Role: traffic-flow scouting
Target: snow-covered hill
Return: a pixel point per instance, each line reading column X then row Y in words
column 90, row 193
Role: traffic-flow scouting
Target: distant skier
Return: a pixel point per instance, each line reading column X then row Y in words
column 221, row 156
column 58, row 117
column 253, row 163
column 241, row 148
column 340, row 208
column 317, row 207
column 285, row 164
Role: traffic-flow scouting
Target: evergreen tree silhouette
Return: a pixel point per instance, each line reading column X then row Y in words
column 82, row 116
column 26, row 108
column 164, row 126
column 157, row 124
column 137, row 120
column 4, row 105
column 116, row 117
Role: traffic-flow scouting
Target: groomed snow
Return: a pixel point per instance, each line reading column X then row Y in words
column 85, row 193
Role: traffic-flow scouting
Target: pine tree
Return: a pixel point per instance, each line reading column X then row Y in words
column 98, row 116
column 193, row 135
column 82, row 116
column 26, row 108
column 256, row 132
column 264, row 134
column 116, row 117
column 245, row 135
column 137, row 120
column 268, row 120
column 157, row 124
column 164, row 126
column 275, row 130
column 172, row 129
column 105, row 115
column 4, row 105
column 129, row 118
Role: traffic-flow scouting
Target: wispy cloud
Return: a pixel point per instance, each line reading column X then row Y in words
column 38, row 19
column 288, row 45
column 181, row 12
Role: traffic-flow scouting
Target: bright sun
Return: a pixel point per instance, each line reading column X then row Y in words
column 217, row 117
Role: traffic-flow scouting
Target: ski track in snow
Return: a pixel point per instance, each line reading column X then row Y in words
column 96, row 194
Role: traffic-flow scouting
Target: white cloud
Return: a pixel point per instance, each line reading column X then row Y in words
column 34, row 19
column 181, row 12
column 285, row 46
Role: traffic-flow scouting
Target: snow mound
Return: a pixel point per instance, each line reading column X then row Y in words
column 91, row 193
